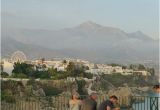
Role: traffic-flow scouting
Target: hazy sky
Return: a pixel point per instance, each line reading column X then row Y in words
column 129, row 15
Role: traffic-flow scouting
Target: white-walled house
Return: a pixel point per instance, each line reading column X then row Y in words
column 127, row 72
column 143, row 73
column 7, row 67
column 93, row 71
column 117, row 69
column 71, row 79
column 61, row 68
column 99, row 71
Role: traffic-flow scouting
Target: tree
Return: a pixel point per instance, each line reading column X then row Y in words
column 19, row 75
column 124, row 67
column 4, row 74
column 50, row 90
column 64, row 61
column 141, row 67
column 42, row 75
column 70, row 67
column 86, row 68
column 151, row 71
column 1, row 68
column 81, row 84
column 88, row 75
column 23, row 68
column 133, row 67
column 52, row 71
column 44, row 66
column 114, row 64
column 42, row 59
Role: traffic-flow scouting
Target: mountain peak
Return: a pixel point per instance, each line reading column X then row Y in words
column 141, row 35
column 89, row 24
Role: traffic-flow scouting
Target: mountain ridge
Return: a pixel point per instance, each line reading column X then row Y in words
column 89, row 41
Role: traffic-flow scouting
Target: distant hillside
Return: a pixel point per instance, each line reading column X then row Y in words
column 89, row 41
column 10, row 45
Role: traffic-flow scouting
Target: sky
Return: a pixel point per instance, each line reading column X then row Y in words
column 128, row 15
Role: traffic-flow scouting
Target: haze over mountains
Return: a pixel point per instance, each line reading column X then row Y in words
column 88, row 40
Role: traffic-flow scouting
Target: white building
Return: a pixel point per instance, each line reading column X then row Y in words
column 144, row 73
column 98, row 71
column 71, row 79
column 127, row 72
column 90, row 65
column 93, row 71
column 117, row 69
column 7, row 66
column 61, row 68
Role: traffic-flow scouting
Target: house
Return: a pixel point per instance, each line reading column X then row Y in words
column 7, row 66
column 143, row 73
column 61, row 68
column 71, row 79
column 117, row 69
column 127, row 72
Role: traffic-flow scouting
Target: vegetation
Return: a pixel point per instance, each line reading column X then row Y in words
column 9, row 89
column 81, row 84
column 114, row 64
column 41, row 74
column 23, row 70
column 4, row 75
column 141, row 67
column 64, row 61
column 19, row 75
column 5, row 96
column 50, row 90
column 118, row 80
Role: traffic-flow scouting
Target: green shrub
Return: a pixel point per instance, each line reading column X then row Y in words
column 50, row 90
column 4, row 74
column 6, row 95
column 81, row 84
column 19, row 75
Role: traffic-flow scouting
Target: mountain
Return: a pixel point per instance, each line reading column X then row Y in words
column 91, row 41
column 140, row 35
column 10, row 45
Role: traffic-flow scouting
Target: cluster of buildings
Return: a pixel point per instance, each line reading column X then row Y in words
column 107, row 69
column 61, row 65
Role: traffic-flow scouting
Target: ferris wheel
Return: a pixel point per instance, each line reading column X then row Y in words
column 18, row 56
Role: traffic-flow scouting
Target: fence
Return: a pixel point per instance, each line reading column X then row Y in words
column 62, row 103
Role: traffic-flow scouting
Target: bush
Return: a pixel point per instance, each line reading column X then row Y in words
column 42, row 74
column 19, row 75
column 4, row 74
column 81, row 84
column 88, row 75
column 50, row 90
column 6, row 95
column 27, row 69
column 31, row 81
column 118, row 80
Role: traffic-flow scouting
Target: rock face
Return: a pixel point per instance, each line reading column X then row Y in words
column 124, row 93
column 39, row 92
